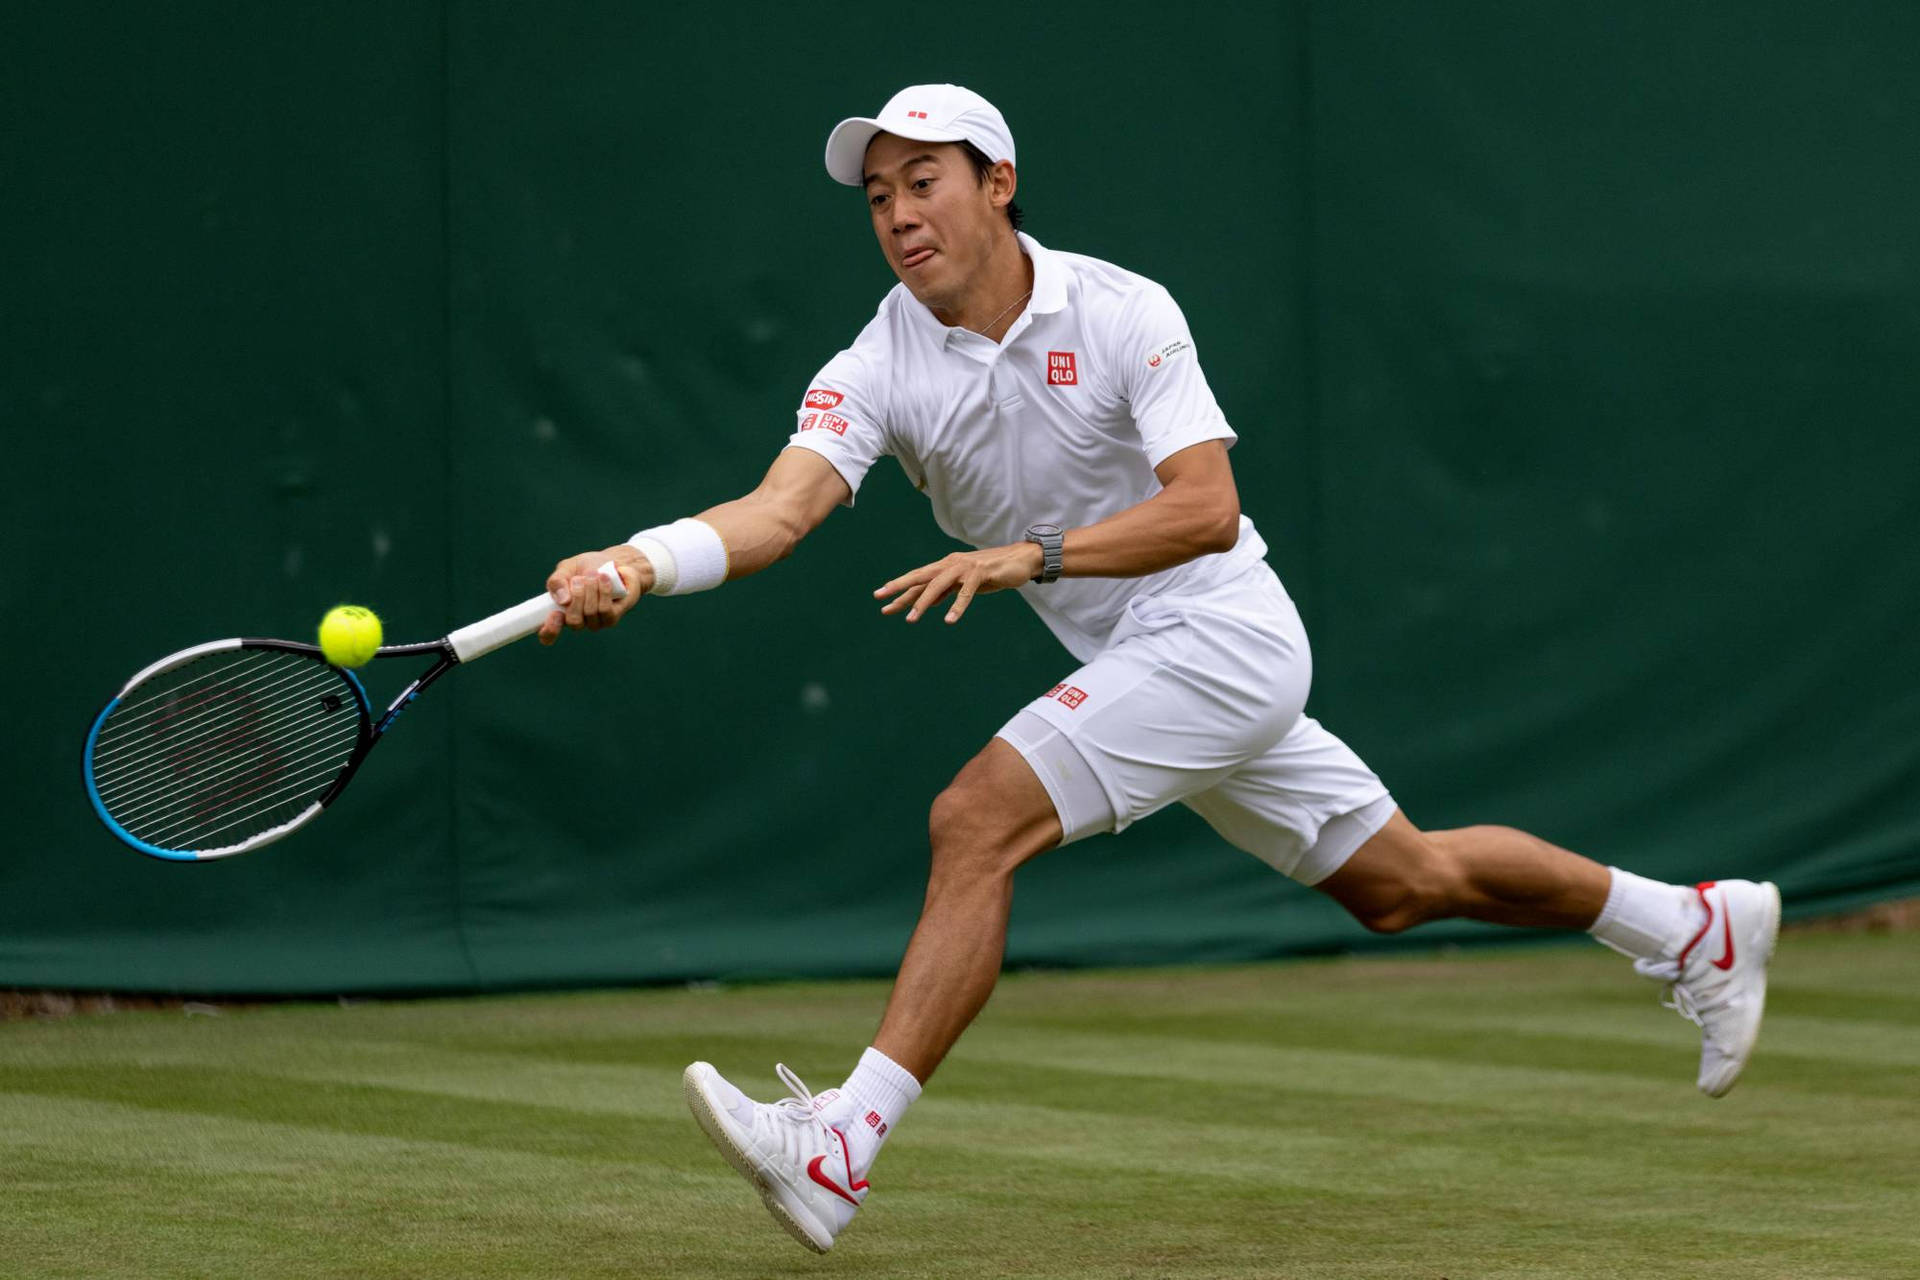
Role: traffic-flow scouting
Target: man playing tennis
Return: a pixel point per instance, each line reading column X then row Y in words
column 1053, row 410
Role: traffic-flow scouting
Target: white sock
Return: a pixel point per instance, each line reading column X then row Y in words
column 871, row 1103
column 1646, row 919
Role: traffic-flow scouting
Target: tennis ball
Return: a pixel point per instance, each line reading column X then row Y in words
column 349, row 634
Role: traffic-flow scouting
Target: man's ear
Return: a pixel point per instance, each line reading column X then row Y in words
column 1002, row 181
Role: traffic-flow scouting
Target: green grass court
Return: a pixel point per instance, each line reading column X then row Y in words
column 1522, row 1112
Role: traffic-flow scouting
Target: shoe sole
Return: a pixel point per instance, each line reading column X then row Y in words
column 1773, row 943
column 708, row 1118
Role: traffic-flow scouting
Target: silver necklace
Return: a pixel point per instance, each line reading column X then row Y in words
column 982, row 330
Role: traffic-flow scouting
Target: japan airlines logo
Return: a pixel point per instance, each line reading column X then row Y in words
column 820, row 398
column 1161, row 355
column 1060, row 369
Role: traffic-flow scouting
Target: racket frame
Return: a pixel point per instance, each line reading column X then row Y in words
column 371, row 730
column 463, row 645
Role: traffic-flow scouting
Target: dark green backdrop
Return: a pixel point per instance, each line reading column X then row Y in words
column 1572, row 348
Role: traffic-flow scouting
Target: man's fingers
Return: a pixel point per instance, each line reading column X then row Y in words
column 550, row 629
column 965, row 598
column 933, row 593
column 913, row 579
column 576, row 590
column 906, row 598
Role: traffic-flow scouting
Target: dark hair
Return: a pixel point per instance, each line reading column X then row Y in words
column 981, row 168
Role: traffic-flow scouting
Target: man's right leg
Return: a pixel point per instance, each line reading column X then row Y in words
column 994, row 816
column 809, row 1154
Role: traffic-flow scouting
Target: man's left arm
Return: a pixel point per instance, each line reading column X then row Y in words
column 1196, row 513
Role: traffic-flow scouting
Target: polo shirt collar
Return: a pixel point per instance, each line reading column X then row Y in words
column 1049, row 290
column 1049, row 277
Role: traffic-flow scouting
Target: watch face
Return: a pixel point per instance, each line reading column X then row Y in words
column 1044, row 531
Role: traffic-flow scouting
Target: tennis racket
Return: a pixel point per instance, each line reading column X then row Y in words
column 233, row 744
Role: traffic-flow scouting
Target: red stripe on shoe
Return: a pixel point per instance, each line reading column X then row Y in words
column 813, row 1171
column 1687, row 950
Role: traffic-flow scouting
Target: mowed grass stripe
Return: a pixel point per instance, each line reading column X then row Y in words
column 1495, row 1114
column 187, row 1194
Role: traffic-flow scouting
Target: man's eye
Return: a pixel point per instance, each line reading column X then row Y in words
column 920, row 183
column 876, row 201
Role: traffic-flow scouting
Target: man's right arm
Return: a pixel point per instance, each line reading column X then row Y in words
column 798, row 492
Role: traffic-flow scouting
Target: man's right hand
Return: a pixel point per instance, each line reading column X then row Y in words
column 582, row 599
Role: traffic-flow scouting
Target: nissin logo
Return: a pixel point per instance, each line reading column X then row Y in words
column 822, row 399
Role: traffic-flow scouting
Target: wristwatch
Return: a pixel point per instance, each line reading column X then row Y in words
column 1050, row 537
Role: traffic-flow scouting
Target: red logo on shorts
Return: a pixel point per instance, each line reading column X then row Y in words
column 1070, row 696
column 1153, row 361
column 1060, row 370
column 824, row 422
column 820, row 398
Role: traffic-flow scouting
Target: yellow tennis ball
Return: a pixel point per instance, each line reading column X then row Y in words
column 349, row 634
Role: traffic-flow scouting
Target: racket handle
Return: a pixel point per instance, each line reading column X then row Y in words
column 520, row 621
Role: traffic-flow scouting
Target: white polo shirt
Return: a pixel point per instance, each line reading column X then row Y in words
column 1062, row 422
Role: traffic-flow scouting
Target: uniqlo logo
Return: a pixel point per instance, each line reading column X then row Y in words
column 819, row 398
column 1060, row 370
column 917, row 115
column 875, row 1122
column 1070, row 696
column 1055, row 691
column 824, row 422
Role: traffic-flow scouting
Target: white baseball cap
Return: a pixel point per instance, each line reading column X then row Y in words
column 925, row 113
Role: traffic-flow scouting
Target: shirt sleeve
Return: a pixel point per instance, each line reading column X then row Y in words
column 841, row 417
column 1160, row 378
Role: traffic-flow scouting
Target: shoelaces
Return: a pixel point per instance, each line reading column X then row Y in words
column 800, row 1105
column 1675, row 997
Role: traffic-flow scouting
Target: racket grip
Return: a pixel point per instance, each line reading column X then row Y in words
column 517, row 623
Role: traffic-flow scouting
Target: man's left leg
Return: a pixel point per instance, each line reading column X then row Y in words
column 1710, row 943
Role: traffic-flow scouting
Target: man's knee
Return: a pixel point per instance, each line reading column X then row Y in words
column 1400, row 878
column 992, row 817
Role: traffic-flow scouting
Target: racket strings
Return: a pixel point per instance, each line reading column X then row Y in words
column 140, row 807
column 119, row 774
column 224, row 747
column 155, row 692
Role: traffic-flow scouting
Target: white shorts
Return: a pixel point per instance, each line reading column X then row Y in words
column 1201, row 699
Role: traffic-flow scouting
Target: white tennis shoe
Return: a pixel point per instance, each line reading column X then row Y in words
column 1719, row 980
column 799, row 1162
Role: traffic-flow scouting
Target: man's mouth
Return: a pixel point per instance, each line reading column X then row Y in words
column 914, row 257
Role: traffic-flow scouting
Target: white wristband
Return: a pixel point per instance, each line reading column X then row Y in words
column 666, row 572
column 687, row 556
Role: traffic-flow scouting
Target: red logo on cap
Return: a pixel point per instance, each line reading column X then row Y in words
column 1060, row 370
column 820, row 398
column 917, row 115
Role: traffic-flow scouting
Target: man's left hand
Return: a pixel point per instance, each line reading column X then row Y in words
column 962, row 575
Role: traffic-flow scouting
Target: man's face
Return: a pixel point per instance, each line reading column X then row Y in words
column 935, row 221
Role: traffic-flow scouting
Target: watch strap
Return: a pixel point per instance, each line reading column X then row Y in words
column 1051, row 539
